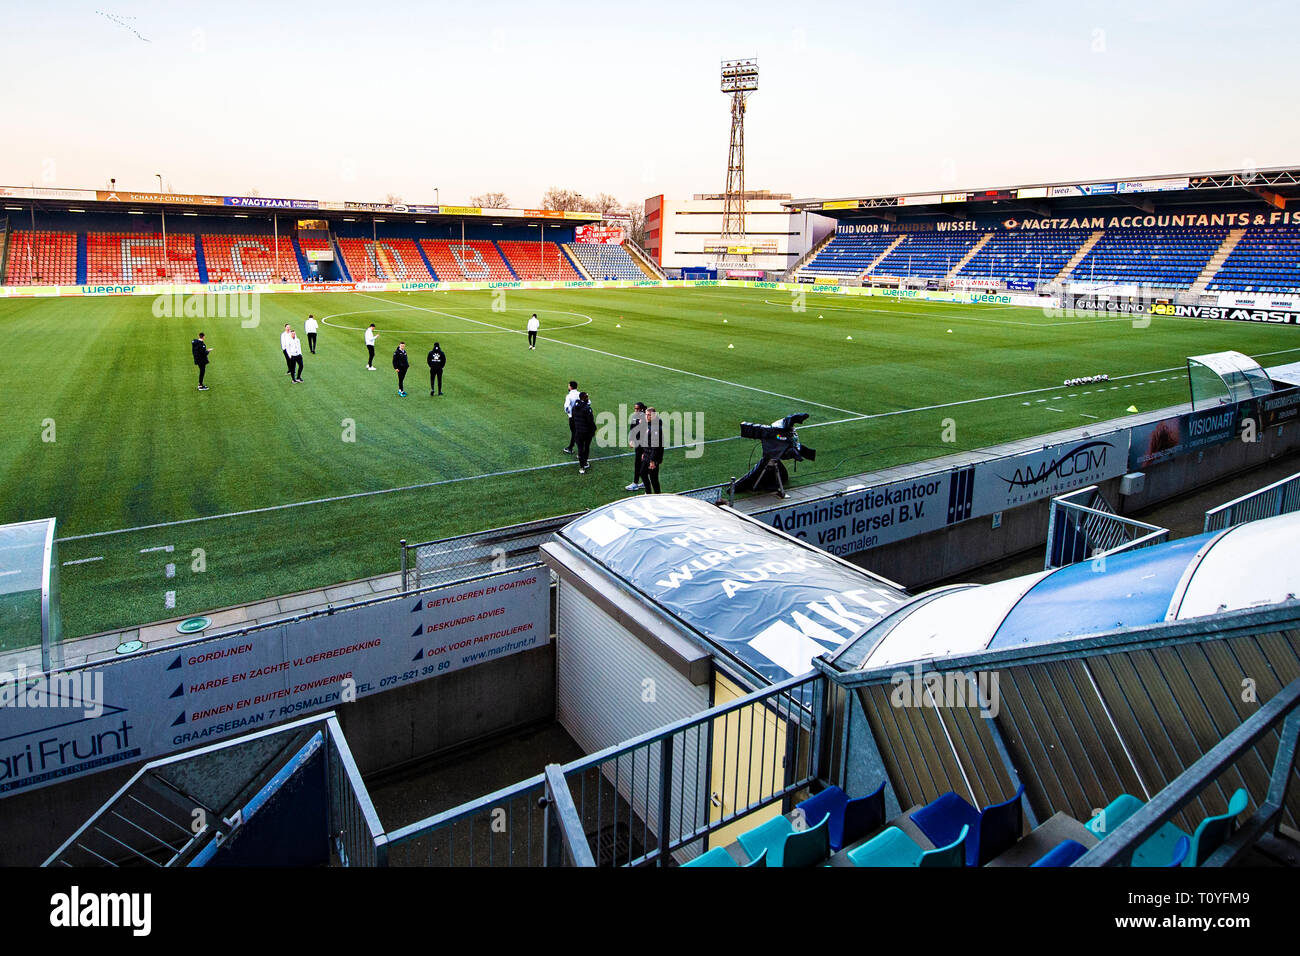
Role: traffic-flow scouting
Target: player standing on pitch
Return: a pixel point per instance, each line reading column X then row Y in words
column 533, row 326
column 200, row 350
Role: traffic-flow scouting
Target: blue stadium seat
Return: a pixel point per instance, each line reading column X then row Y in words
column 994, row 829
column 850, row 819
column 1063, row 854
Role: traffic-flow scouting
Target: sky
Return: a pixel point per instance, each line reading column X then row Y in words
column 353, row 100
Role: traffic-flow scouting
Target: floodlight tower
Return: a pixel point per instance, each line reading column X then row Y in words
column 739, row 78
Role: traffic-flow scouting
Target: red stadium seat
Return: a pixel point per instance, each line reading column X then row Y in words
column 115, row 257
column 539, row 261
column 388, row 259
column 476, row 260
column 250, row 259
column 42, row 258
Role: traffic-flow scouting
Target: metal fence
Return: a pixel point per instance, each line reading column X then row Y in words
column 1082, row 525
column 356, row 834
column 648, row 800
column 454, row 559
column 1279, row 498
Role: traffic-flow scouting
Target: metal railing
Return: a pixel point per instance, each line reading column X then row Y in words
column 1281, row 711
column 1082, row 525
column 177, row 808
column 647, row 800
column 455, row 559
column 1279, row 498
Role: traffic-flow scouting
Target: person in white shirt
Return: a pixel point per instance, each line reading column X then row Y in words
column 310, row 327
column 533, row 326
column 570, row 400
column 294, row 351
column 371, row 335
column 284, row 347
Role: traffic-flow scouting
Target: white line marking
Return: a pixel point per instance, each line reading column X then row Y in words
column 568, row 463
column 169, row 600
column 626, row 358
column 161, row 547
column 1086, row 415
column 83, row 560
column 1051, row 409
column 169, row 571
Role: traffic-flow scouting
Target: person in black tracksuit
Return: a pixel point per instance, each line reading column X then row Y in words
column 200, row 350
column 584, row 430
column 652, row 451
column 401, row 362
column 635, row 434
column 437, row 362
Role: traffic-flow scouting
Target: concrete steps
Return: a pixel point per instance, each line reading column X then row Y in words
column 1082, row 251
column 1216, row 261
column 983, row 241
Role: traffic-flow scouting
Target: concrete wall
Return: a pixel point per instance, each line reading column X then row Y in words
column 926, row 559
column 384, row 730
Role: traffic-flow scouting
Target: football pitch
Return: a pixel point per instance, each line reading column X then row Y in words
column 171, row 500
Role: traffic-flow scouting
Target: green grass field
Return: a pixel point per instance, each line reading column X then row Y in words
column 136, row 444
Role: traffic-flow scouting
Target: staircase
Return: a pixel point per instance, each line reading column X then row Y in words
column 1216, row 262
column 881, row 258
column 1082, row 251
column 807, row 257
column 575, row 261
column 642, row 259
column 983, row 241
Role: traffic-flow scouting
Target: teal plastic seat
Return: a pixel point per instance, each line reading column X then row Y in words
column 893, row 847
column 774, row 836
column 808, row 847
column 1214, row 831
column 718, row 856
column 1115, row 813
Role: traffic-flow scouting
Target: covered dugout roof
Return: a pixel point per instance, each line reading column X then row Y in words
column 1245, row 566
column 1275, row 187
column 765, row 599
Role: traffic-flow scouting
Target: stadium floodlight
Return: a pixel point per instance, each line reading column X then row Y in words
column 740, row 76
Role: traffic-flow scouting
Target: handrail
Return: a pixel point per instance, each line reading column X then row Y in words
column 1281, row 488
column 1119, row 844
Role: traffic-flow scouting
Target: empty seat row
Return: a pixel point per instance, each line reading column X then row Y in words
column 1265, row 259
column 397, row 260
column 604, row 260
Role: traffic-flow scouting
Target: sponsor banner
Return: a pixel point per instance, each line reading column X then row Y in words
column 608, row 235
column 860, row 520
column 745, row 273
column 1104, row 288
column 155, row 703
column 318, row 255
column 862, row 228
column 259, row 202
column 463, row 211
column 1281, row 406
column 1168, row 438
column 1022, row 285
column 1032, row 192
column 1019, row 479
column 964, row 282
column 172, row 199
column 1087, row 189
column 372, row 286
column 1268, row 316
column 46, row 192
column 953, row 197
column 1238, row 299
column 1140, row 220
column 930, row 200
column 840, row 204
column 1153, row 185
column 826, row 280
column 327, row 287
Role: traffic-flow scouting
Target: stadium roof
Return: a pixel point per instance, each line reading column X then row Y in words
column 1276, row 185
column 104, row 200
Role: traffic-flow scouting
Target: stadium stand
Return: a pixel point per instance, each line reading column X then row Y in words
column 1266, row 259
column 395, row 259
column 538, row 260
column 249, row 259
column 476, row 260
column 849, row 255
column 122, row 257
column 1150, row 256
column 926, row 254
column 42, row 257
column 1033, row 256
column 605, row 260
